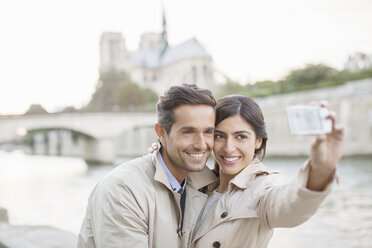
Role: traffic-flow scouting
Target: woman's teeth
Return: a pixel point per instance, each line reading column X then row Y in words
column 231, row 159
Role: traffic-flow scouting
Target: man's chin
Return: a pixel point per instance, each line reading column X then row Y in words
column 196, row 167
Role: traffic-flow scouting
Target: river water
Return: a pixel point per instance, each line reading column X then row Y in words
column 39, row 190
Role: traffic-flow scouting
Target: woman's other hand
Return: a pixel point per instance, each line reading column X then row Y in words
column 326, row 153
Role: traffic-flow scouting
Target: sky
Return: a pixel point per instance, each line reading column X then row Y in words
column 49, row 49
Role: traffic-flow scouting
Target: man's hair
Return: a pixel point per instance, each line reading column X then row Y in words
column 180, row 95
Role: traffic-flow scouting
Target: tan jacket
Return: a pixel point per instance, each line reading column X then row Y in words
column 248, row 211
column 134, row 206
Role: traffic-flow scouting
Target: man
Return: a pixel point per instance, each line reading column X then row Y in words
column 141, row 202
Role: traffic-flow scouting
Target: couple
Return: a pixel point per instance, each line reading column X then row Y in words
column 169, row 198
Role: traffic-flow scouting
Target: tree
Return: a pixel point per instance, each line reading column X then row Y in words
column 69, row 109
column 115, row 91
column 230, row 88
column 130, row 97
column 265, row 88
column 103, row 99
column 36, row 109
column 308, row 77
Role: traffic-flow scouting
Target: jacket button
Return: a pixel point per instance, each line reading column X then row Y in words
column 216, row 244
column 224, row 214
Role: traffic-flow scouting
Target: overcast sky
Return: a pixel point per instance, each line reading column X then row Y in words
column 49, row 49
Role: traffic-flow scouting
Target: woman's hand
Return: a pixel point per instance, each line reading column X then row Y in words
column 326, row 152
column 154, row 147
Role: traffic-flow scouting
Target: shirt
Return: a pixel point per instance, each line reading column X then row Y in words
column 176, row 186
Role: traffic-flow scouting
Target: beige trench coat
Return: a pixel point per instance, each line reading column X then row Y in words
column 134, row 206
column 246, row 214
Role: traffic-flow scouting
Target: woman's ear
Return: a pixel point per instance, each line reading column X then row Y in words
column 160, row 131
column 258, row 143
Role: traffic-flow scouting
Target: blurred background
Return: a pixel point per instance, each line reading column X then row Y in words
column 79, row 81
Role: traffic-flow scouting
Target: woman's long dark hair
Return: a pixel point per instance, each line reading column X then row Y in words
column 249, row 110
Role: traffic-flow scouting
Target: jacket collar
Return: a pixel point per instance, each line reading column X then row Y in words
column 196, row 180
column 245, row 177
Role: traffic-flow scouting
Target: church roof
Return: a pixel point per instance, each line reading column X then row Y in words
column 154, row 58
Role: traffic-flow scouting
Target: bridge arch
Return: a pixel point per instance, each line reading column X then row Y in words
column 101, row 136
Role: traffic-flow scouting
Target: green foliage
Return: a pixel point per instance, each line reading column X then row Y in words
column 28, row 140
column 308, row 78
column 130, row 97
column 115, row 91
column 113, row 77
column 103, row 98
column 310, row 75
column 36, row 109
column 264, row 88
column 230, row 88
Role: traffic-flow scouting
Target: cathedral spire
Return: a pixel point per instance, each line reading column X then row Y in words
column 164, row 33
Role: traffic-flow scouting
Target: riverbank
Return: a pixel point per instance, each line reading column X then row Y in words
column 21, row 236
column 13, row 236
column 49, row 191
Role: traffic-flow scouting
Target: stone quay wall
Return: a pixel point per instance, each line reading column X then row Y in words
column 352, row 104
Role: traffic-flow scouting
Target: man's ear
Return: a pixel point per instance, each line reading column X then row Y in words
column 160, row 131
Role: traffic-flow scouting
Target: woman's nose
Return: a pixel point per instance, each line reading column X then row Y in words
column 229, row 146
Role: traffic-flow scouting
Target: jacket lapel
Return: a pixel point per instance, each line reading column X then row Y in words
column 243, row 180
column 194, row 198
column 160, row 174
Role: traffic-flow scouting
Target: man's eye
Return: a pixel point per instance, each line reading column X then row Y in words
column 187, row 131
column 209, row 132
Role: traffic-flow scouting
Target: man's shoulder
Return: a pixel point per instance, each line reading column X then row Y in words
column 130, row 174
column 138, row 165
column 129, row 184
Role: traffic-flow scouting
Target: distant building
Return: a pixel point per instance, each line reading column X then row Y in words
column 156, row 64
column 358, row 61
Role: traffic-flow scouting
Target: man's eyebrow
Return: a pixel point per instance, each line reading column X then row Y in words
column 187, row 128
column 190, row 128
column 210, row 129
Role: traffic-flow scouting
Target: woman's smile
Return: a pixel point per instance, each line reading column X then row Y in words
column 230, row 160
column 234, row 145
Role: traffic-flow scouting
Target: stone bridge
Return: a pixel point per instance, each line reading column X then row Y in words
column 100, row 137
column 95, row 136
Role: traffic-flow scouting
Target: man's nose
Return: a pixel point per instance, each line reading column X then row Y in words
column 200, row 142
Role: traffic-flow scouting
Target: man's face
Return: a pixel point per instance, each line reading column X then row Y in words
column 189, row 143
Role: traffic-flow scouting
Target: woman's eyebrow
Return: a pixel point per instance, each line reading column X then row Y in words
column 219, row 131
column 242, row 131
column 236, row 132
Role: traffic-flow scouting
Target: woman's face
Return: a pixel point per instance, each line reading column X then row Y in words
column 234, row 144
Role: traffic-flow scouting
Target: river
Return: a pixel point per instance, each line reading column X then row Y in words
column 40, row 190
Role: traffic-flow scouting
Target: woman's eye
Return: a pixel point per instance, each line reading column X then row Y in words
column 218, row 136
column 241, row 137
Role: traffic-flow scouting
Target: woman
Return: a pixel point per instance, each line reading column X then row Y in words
column 245, row 207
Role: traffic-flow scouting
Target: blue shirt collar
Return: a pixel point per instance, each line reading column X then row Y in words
column 172, row 180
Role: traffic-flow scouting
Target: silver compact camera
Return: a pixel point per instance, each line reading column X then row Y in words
column 308, row 120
